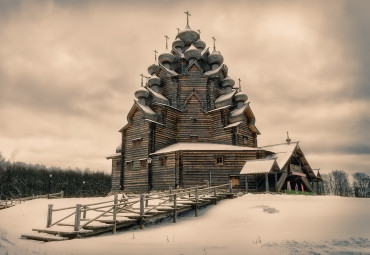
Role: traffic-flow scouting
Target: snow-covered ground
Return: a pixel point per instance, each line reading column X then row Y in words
column 251, row 224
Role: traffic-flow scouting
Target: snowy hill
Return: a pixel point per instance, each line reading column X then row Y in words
column 251, row 224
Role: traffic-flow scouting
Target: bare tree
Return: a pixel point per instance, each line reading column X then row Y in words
column 361, row 184
column 340, row 184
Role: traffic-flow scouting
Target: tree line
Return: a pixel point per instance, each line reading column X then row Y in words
column 19, row 179
column 337, row 183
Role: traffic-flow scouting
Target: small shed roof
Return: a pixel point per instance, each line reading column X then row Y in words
column 258, row 166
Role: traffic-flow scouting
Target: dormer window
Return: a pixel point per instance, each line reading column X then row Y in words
column 245, row 139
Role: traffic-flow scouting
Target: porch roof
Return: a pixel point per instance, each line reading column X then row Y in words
column 258, row 166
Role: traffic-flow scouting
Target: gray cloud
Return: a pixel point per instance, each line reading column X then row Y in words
column 69, row 69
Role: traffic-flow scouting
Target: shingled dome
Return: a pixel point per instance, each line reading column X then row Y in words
column 241, row 97
column 166, row 58
column 192, row 52
column 152, row 69
column 141, row 93
column 215, row 58
column 188, row 36
column 228, row 82
column 154, row 80
column 200, row 44
column 178, row 44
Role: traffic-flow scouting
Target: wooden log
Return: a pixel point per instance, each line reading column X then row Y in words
column 77, row 217
column 50, row 215
column 174, row 208
column 115, row 213
column 142, row 211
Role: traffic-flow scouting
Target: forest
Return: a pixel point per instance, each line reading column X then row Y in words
column 18, row 179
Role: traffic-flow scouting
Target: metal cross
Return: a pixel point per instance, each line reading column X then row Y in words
column 187, row 17
column 198, row 32
column 240, row 86
column 178, row 30
column 214, row 43
column 142, row 78
column 155, row 55
column 166, row 41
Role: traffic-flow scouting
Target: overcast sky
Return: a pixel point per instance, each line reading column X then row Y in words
column 69, row 69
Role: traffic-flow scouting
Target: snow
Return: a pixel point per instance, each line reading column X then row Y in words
column 257, row 166
column 238, row 111
column 225, row 97
column 251, row 224
column 234, row 124
column 146, row 109
column 283, row 152
column 159, row 97
column 202, row 147
column 215, row 71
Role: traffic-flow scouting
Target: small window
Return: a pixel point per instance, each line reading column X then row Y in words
column 194, row 138
column 129, row 165
column 162, row 161
column 245, row 139
column 219, row 160
column 137, row 141
column 143, row 163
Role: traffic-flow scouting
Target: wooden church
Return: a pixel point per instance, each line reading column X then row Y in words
column 191, row 125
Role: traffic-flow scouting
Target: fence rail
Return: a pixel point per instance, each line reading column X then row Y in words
column 12, row 202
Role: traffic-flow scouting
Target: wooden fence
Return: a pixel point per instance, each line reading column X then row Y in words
column 12, row 202
column 137, row 208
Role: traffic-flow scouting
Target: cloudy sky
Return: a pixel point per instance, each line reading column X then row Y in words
column 69, row 69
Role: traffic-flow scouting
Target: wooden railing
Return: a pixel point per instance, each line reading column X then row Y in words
column 138, row 205
column 12, row 202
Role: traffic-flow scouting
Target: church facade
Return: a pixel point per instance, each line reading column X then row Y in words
column 191, row 124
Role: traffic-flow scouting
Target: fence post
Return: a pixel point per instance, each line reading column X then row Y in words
column 196, row 201
column 62, row 194
column 170, row 195
column 141, row 211
column 50, row 215
column 174, row 208
column 215, row 195
column 77, row 217
column 230, row 186
column 85, row 212
column 6, row 202
column 146, row 201
column 115, row 213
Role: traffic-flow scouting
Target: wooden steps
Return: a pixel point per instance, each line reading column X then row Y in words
column 43, row 237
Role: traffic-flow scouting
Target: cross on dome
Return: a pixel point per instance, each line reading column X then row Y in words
column 187, row 17
column 155, row 55
column 214, row 43
column 198, row 31
column 166, row 41
column 178, row 30
column 240, row 86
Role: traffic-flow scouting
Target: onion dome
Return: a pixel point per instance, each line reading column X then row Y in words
column 166, row 58
column 178, row 44
column 152, row 69
column 228, row 82
column 188, row 35
column 154, row 80
column 192, row 52
column 215, row 58
column 200, row 44
column 141, row 93
column 240, row 97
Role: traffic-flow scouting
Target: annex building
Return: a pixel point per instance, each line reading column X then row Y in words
column 191, row 125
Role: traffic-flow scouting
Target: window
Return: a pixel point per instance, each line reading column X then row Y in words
column 129, row 165
column 219, row 160
column 143, row 163
column 137, row 141
column 194, row 138
column 245, row 139
column 162, row 161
